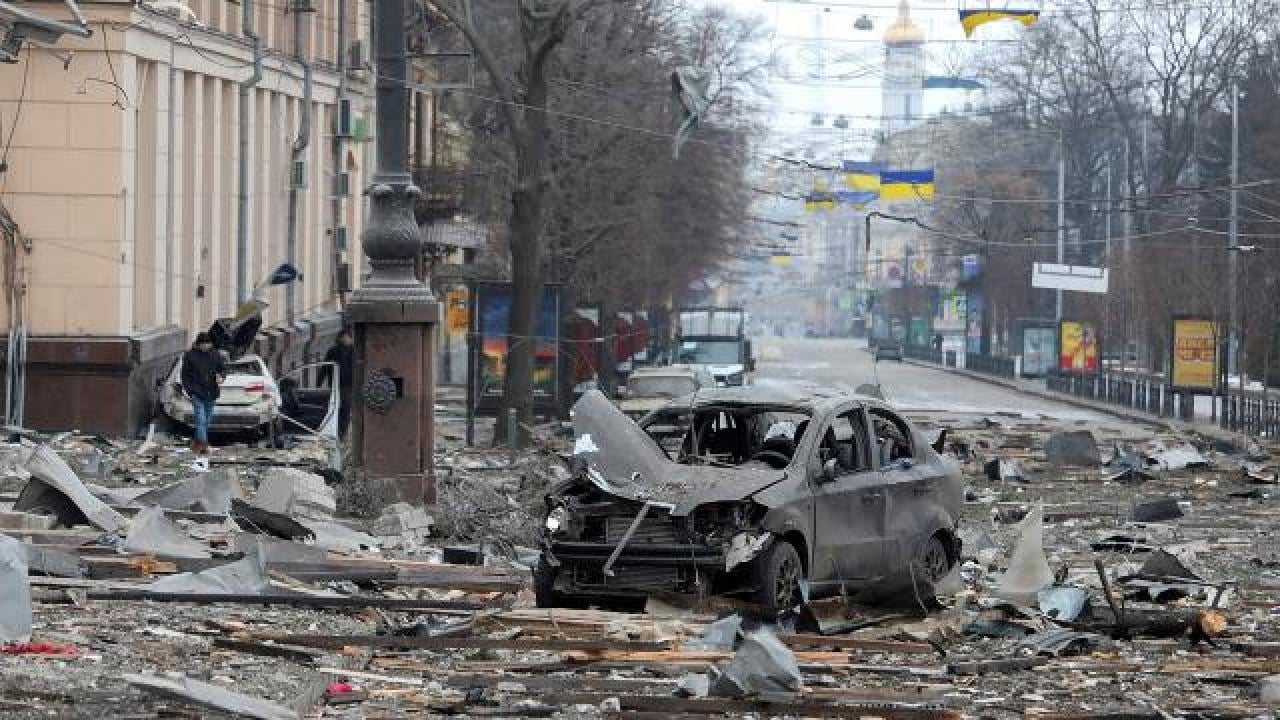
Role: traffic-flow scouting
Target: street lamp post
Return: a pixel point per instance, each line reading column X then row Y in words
column 394, row 312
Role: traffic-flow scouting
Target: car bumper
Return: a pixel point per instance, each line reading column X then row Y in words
column 638, row 569
column 225, row 419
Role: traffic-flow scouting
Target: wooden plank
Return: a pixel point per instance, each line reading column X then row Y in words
column 845, row 642
column 137, row 566
column 701, row 657
column 800, row 708
column 293, row 653
column 316, row 601
column 465, row 643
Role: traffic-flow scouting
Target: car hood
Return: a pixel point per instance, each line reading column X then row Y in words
column 623, row 460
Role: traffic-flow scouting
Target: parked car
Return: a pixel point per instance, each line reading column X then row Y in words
column 888, row 350
column 767, row 492
column 252, row 400
column 651, row 388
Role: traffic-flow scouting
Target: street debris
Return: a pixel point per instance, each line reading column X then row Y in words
column 15, row 592
column 1072, row 447
column 1073, row 596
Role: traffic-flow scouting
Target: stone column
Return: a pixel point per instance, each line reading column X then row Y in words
column 394, row 313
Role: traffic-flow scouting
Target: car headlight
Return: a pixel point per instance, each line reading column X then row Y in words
column 557, row 519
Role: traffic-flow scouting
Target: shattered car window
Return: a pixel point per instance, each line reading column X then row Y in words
column 893, row 438
column 739, row 436
column 244, row 368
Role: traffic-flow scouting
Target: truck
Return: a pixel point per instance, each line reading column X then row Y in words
column 715, row 339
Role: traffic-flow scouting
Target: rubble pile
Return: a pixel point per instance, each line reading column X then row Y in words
column 1107, row 572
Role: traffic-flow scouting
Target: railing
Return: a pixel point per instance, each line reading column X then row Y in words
column 990, row 364
column 1146, row 393
column 1256, row 413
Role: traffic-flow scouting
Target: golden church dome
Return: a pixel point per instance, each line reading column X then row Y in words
column 903, row 31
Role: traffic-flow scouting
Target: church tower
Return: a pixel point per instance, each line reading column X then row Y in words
column 903, row 86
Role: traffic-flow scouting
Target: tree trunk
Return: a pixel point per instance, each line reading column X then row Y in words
column 525, row 239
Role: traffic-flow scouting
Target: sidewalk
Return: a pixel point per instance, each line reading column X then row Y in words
column 1037, row 389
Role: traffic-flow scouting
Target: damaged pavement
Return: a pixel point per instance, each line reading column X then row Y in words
column 1135, row 576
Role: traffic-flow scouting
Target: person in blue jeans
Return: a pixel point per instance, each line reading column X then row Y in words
column 202, row 372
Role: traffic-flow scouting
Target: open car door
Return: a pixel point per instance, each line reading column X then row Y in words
column 310, row 409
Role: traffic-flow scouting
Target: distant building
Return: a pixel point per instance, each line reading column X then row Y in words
column 123, row 159
column 902, row 89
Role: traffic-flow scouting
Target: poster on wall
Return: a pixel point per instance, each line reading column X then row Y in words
column 459, row 314
column 1039, row 351
column 1078, row 343
column 973, row 323
column 492, row 302
column 1195, row 354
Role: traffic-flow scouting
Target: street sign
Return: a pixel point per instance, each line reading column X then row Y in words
column 1078, row 278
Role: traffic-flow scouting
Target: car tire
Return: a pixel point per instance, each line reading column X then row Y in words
column 544, row 589
column 779, row 575
column 933, row 562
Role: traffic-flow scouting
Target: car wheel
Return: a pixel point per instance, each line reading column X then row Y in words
column 934, row 562
column 544, row 589
column 779, row 575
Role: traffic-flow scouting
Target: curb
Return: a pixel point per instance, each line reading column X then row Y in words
column 1128, row 416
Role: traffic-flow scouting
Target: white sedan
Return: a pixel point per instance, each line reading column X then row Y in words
column 253, row 401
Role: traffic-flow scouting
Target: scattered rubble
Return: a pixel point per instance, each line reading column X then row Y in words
column 172, row 594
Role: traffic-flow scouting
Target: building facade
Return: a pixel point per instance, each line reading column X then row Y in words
column 123, row 157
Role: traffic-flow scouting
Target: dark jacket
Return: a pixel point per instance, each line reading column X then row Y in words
column 342, row 355
column 200, row 371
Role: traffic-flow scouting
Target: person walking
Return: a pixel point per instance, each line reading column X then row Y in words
column 341, row 354
column 202, row 372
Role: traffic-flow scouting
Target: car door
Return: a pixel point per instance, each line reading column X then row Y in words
column 309, row 407
column 850, row 508
column 907, row 484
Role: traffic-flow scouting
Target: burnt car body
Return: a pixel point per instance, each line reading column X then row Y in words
column 771, row 493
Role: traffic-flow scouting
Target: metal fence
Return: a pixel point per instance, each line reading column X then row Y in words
column 1145, row 393
column 1256, row 413
column 990, row 364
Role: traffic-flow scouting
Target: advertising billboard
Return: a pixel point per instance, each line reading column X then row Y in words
column 1078, row 346
column 492, row 304
column 1194, row 365
column 1039, row 351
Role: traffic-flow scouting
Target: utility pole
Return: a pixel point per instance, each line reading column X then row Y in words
column 394, row 313
column 1233, row 255
column 1062, row 218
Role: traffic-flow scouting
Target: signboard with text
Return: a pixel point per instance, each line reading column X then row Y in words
column 1194, row 365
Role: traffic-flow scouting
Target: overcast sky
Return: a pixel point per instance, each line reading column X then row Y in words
column 831, row 68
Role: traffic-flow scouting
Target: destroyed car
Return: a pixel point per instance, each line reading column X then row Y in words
column 773, row 494
column 649, row 389
column 252, row 400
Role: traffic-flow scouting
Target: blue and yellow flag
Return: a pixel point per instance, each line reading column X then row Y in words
column 814, row 202
column 857, row 198
column 971, row 19
column 862, row 176
column 906, row 185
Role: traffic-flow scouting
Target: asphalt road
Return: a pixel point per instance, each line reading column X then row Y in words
column 910, row 387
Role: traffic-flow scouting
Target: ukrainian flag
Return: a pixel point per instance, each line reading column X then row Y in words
column 814, row 202
column 862, row 176
column 906, row 185
column 857, row 198
column 971, row 19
